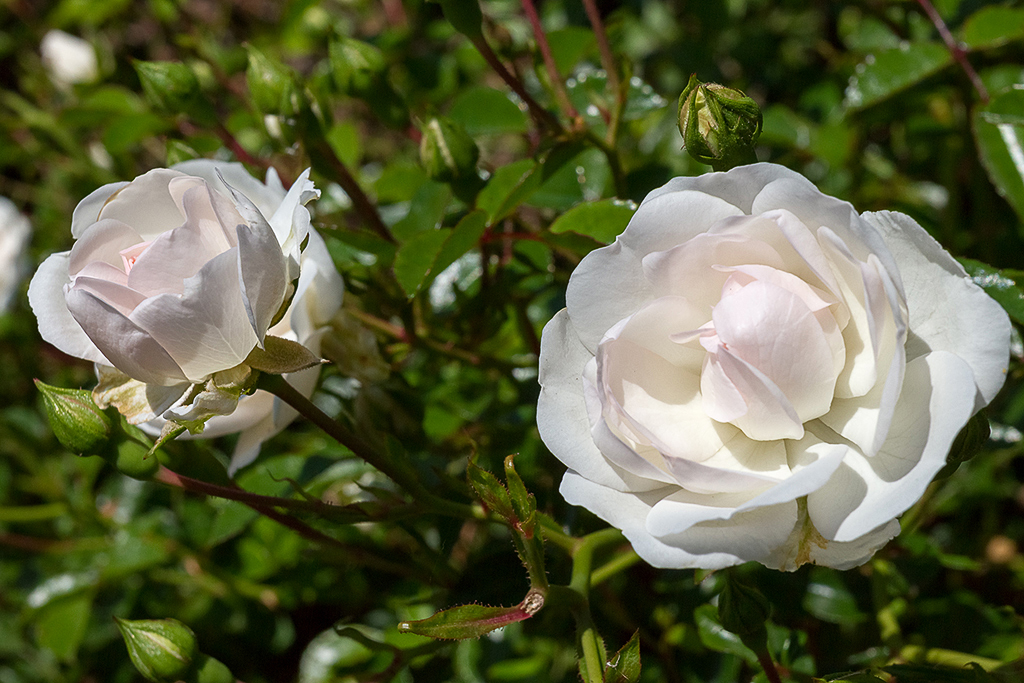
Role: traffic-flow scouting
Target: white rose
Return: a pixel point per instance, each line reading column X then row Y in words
column 68, row 58
column 179, row 275
column 753, row 371
column 14, row 235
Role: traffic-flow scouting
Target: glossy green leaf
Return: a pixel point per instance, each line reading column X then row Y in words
column 416, row 256
column 828, row 599
column 603, row 220
column 931, row 673
column 426, row 210
column 624, row 665
column 464, row 621
column 715, row 637
column 992, row 27
column 999, row 132
column 464, row 236
column 509, row 187
column 887, row 72
column 486, row 111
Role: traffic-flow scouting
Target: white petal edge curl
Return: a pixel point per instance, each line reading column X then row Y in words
column 738, row 187
column 266, row 197
column 56, row 324
column 146, row 204
column 88, row 210
column 667, row 221
column 134, row 351
column 936, row 402
column 628, row 512
column 561, row 409
column 948, row 312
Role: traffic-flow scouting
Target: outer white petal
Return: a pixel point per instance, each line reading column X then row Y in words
column 132, row 349
column 56, row 324
column 261, row 274
column 738, row 187
column 628, row 512
column 948, row 312
column 850, row 554
column 561, row 409
column 291, row 219
column 319, row 292
column 206, row 329
column 937, row 400
column 266, row 197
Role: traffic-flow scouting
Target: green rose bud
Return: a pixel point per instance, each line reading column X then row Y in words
column 161, row 649
column 743, row 610
column 719, row 125
column 357, row 66
column 172, row 88
column 271, row 84
column 76, row 420
column 447, row 152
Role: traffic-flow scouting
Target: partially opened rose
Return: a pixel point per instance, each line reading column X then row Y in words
column 176, row 277
column 753, row 371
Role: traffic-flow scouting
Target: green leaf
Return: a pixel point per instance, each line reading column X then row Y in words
column 486, row 111
column 588, row 92
column 569, row 45
column 491, row 491
column 603, row 220
column 715, row 637
column 1001, row 285
column 426, row 210
column 999, row 132
column 415, row 257
column 828, row 599
column 463, row 238
column 61, row 625
column 931, row 673
column 464, row 621
column 509, row 187
column 464, row 15
column 624, row 665
column 172, row 88
column 272, row 85
column 887, row 72
column 992, row 27
column 280, row 355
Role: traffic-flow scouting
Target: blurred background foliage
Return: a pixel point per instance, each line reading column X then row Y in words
column 437, row 343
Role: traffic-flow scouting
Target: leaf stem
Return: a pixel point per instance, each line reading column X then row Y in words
column 954, row 49
column 541, row 116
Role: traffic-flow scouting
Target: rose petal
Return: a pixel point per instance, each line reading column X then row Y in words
column 122, row 298
column 102, row 241
column 958, row 316
column 88, row 210
column 562, row 415
column 936, row 401
column 145, row 204
column 262, row 274
column 319, row 292
column 266, row 197
column 206, row 329
column 56, row 324
column 130, row 348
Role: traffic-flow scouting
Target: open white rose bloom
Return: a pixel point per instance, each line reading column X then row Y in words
column 174, row 279
column 753, row 371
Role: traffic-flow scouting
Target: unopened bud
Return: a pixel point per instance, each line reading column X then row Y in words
column 447, row 152
column 719, row 125
column 161, row 649
column 76, row 420
column 271, row 84
column 357, row 67
column 173, row 88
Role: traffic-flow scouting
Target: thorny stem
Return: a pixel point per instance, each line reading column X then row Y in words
column 549, row 60
column 954, row 49
column 540, row 115
column 276, row 385
column 608, row 63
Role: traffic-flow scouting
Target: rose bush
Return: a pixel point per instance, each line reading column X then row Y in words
column 175, row 278
column 753, row 371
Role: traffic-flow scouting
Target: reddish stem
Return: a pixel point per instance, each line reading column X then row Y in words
column 954, row 49
column 549, row 60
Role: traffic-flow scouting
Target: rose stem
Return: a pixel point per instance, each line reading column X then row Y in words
column 608, row 62
column 541, row 116
column 549, row 60
column 954, row 49
column 765, row 660
column 276, row 385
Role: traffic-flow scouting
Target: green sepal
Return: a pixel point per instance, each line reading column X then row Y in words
column 161, row 649
column 491, row 491
column 523, row 503
column 624, row 665
column 719, row 125
column 447, row 152
column 78, row 423
column 280, row 355
column 473, row 621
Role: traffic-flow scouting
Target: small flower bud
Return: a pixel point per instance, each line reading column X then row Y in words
column 357, row 67
column 76, row 421
column 172, row 88
column 447, row 152
column 161, row 649
column 719, row 125
column 271, row 84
